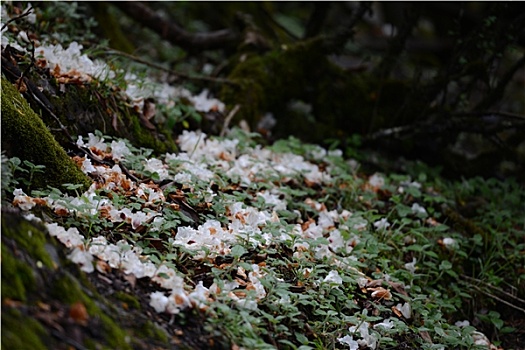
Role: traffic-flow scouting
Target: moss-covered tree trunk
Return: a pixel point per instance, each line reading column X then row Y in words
column 24, row 135
column 48, row 303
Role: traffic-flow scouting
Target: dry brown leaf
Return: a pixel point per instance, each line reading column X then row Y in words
column 78, row 313
column 380, row 293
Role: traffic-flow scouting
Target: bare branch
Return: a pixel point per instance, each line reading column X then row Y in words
column 25, row 14
column 174, row 33
column 317, row 18
column 180, row 75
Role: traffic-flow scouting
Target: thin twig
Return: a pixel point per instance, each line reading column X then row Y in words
column 162, row 68
column 25, row 14
column 495, row 288
column 496, row 298
column 228, row 119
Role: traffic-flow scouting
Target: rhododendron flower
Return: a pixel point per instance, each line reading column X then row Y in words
column 382, row 224
column 199, row 296
column 368, row 339
column 22, row 200
column 87, row 167
column 386, row 324
column 158, row 301
column 70, row 237
column 333, row 277
column 405, row 310
column 417, row 209
column 349, row 340
column 203, row 103
column 156, row 166
column 119, row 150
column 450, row 243
column 411, row 266
column 376, row 181
column 83, row 258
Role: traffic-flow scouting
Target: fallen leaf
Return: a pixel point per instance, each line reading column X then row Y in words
column 78, row 313
column 380, row 293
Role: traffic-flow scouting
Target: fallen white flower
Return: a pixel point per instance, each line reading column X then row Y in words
column 382, row 224
column 333, row 277
column 349, row 340
column 158, row 301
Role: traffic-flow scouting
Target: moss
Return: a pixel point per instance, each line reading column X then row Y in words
column 21, row 332
column 25, row 136
column 24, row 280
column 300, row 72
column 128, row 299
column 69, row 291
column 29, row 236
column 150, row 330
column 343, row 102
column 110, row 26
column 17, row 277
column 84, row 109
column 144, row 138
column 116, row 337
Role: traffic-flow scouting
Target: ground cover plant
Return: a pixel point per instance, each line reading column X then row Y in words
column 288, row 246
column 233, row 242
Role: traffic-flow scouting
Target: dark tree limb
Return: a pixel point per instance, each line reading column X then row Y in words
column 317, row 18
column 497, row 93
column 178, row 74
column 268, row 16
column 335, row 43
column 398, row 43
column 175, row 34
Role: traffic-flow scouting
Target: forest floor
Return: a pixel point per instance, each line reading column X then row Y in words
column 233, row 242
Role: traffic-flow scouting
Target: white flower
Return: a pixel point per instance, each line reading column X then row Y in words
column 411, row 266
column 119, row 150
column 417, row 209
column 382, row 224
column 83, row 258
column 199, row 296
column 464, row 323
column 189, row 141
column 72, row 61
column 156, row 166
column 70, row 238
column 203, row 103
column 348, row 340
column 96, row 142
column 405, row 310
column 178, row 300
column 98, row 245
column 480, row 339
column 386, row 324
column 87, row 167
column 22, row 200
column 368, row 339
column 376, row 181
column 32, row 217
column 362, row 282
column 158, row 301
column 450, row 243
column 333, row 277
column 325, row 220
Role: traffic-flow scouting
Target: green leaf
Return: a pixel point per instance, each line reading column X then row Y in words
column 238, row 251
column 301, row 338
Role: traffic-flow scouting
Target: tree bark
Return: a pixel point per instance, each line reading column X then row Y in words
column 174, row 33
